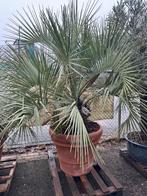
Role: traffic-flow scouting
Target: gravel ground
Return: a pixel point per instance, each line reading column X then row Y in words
column 32, row 178
column 133, row 183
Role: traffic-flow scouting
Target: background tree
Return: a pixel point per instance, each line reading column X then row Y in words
column 131, row 15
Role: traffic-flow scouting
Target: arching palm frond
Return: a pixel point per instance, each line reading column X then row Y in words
column 76, row 55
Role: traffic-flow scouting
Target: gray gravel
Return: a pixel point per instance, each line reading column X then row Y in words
column 134, row 184
column 32, row 178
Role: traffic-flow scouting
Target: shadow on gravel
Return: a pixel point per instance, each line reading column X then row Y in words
column 32, row 178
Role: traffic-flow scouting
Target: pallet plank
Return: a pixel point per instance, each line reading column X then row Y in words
column 72, row 185
column 87, row 185
column 99, row 180
column 3, row 188
column 8, row 158
column 10, row 179
column 2, row 178
column 7, row 178
column 104, row 183
column 116, row 184
column 98, row 193
column 56, row 180
column 7, row 165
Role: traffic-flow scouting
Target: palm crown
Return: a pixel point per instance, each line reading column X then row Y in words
column 74, row 55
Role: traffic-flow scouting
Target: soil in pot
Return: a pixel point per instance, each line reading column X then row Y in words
column 90, row 126
column 68, row 163
column 138, row 137
column 142, row 142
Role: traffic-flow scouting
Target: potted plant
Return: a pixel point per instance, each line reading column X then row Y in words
column 74, row 56
column 131, row 15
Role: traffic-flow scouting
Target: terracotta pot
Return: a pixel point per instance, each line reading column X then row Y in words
column 68, row 163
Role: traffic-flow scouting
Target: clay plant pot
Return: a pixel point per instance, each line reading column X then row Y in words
column 68, row 163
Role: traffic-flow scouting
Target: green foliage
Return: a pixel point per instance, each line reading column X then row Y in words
column 131, row 15
column 74, row 52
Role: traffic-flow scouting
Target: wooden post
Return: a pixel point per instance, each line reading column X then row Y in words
column 119, row 120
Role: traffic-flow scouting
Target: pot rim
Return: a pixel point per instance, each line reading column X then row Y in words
column 63, row 139
column 68, row 136
column 135, row 143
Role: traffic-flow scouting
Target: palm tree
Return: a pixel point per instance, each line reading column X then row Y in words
column 131, row 15
column 73, row 53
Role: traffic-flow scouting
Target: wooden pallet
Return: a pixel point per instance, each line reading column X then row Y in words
column 7, row 168
column 98, row 182
column 142, row 169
